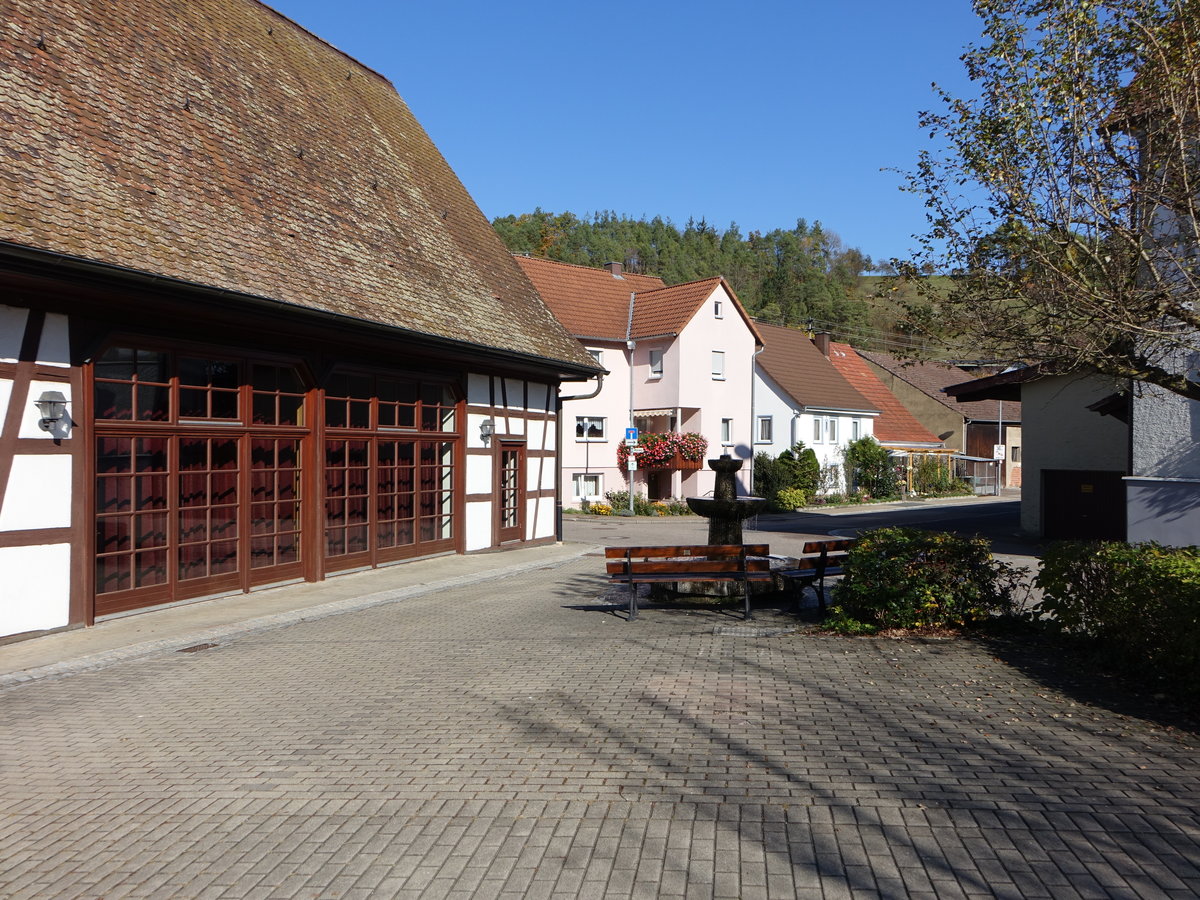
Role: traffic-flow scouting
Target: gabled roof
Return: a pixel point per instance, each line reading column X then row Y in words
column 895, row 424
column 930, row 378
column 594, row 303
column 589, row 302
column 218, row 143
column 799, row 368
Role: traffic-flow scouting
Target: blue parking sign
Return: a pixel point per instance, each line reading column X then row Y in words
column 631, row 434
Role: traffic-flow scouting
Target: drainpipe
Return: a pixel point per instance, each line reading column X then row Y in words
column 753, row 421
column 558, row 445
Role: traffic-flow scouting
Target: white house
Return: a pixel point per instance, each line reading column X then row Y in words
column 799, row 396
column 679, row 360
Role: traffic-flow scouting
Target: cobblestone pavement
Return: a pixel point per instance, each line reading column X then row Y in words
column 522, row 740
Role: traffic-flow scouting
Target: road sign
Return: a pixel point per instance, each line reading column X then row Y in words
column 632, row 464
column 997, row 451
column 631, row 435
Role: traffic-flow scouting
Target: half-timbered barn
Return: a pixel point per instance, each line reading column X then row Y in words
column 253, row 329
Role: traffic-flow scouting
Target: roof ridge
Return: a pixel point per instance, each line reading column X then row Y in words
column 559, row 262
column 322, row 40
column 682, row 284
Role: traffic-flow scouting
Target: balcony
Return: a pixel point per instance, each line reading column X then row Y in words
column 666, row 450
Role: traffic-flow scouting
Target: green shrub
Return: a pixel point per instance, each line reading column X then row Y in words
column 619, row 500
column 869, row 469
column 908, row 578
column 931, row 477
column 1139, row 604
column 794, row 469
column 770, row 476
column 792, row 498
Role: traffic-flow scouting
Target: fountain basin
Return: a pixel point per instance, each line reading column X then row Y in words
column 741, row 508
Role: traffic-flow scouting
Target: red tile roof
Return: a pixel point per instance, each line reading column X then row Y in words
column 895, row 424
column 219, row 143
column 594, row 303
column 589, row 302
column 931, row 377
column 799, row 368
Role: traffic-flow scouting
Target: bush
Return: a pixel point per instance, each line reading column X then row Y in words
column 1139, row 604
column 908, row 578
column 792, row 498
column 869, row 469
column 619, row 500
column 794, row 469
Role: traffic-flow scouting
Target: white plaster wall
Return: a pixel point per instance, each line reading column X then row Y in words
column 1060, row 432
column 38, row 493
column 514, row 393
column 1166, row 434
column 479, row 526
column 12, row 332
column 479, row 475
column 479, row 389
column 30, row 415
column 540, row 516
column 612, row 403
column 37, row 588
column 55, row 347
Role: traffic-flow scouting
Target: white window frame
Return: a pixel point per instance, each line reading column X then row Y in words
column 769, row 436
column 656, row 356
column 727, row 432
column 818, row 430
column 585, row 423
column 718, row 309
column 579, row 479
column 718, row 365
column 597, row 355
column 831, row 430
column 855, row 429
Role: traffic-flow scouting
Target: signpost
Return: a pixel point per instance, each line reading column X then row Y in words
column 631, row 435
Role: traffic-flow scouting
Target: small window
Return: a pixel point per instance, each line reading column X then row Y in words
column 855, row 429
column 598, row 356
column 589, row 428
column 727, row 431
column 656, row 364
column 718, row 365
column 817, row 434
column 831, row 431
column 1015, row 456
column 765, row 431
column 718, row 309
column 587, row 486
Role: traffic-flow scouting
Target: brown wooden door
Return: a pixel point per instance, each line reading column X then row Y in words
column 1083, row 505
column 510, row 491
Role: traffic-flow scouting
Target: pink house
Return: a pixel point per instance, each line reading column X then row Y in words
column 679, row 358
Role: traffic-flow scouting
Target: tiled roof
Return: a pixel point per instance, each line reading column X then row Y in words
column 895, row 424
column 930, row 378
column 595, row 303
column 217, row 142
column 589, row 302
column 799, row 368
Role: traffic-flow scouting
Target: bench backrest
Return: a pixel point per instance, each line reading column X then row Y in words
column 694, row 565
column 705, row 550
column 839, row 545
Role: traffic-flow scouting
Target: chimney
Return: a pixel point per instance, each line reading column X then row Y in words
column 821, row 340
column 615, row 268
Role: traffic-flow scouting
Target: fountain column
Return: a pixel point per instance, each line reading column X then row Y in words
column 725, row 511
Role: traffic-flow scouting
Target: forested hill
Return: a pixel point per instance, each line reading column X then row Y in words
column 789, row 277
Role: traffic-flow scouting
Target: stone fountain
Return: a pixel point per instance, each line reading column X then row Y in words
column 725, row 510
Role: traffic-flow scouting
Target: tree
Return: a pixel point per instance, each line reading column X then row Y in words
column 1063, row 198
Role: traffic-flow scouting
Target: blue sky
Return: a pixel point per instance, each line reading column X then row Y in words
column 757, row 113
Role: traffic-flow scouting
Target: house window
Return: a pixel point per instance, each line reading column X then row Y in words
column 855, row 429
column 831, row 431
column 656, row 364
column 718, row 309
column 589, row 428
column 727, row 431
column 765, row 431
column 598, row 356
column 1015, row 456
column 587, row 486
column 718, row 365
column 816, row 431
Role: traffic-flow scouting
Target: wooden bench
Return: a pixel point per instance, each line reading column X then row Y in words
column 707, row 562
column 820, row 559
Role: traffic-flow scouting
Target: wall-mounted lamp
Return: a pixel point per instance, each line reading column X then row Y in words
column 53, row 406
column 486, row 429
